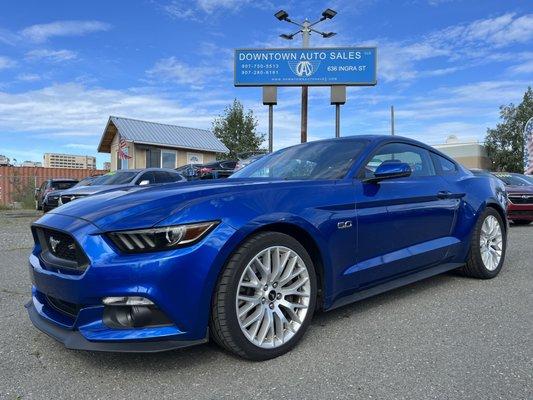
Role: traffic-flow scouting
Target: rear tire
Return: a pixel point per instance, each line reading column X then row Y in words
column 487, row 247
column 521, row 222
column 254, row 287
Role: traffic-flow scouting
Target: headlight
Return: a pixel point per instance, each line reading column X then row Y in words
column 158, row 239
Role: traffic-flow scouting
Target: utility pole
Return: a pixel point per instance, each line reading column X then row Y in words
column 306, row 33
column 392, row 120
column 306, row 28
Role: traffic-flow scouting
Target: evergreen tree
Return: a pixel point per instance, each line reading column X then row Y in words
column 505, row 143
column 237, row 129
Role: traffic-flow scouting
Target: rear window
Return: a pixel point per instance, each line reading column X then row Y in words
column 62, row 185
column 443, row 165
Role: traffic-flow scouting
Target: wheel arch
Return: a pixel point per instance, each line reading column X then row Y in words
column 496, row 206
column 303, row 237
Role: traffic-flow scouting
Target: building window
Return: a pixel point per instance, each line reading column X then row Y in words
column 168, row 158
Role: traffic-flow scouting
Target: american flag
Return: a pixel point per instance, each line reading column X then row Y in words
column 122, row 144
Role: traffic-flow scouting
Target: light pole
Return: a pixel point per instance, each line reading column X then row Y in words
column 306, row 28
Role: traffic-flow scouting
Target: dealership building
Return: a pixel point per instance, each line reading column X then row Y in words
column 144, row 144
column 469, row 152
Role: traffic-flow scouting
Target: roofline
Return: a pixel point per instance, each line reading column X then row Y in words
column 102, row 137
column 177, row 147
column 159, row 123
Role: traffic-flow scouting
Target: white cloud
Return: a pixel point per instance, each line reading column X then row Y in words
column 74, row 110
column 28, row 77
column 6, row 62
column 50, row 55
column 183, row 9
column 175, row 71
column 523, row 68
column 42, row 32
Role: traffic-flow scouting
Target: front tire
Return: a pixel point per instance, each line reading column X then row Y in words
column 487, row 247
column 265, row 297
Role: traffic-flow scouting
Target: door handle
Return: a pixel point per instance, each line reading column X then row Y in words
column 444, row 194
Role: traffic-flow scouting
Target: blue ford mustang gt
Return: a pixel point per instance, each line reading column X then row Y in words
column 246, row 261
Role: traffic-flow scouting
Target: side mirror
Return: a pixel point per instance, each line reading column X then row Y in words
column 144, row 182
column 390, row 171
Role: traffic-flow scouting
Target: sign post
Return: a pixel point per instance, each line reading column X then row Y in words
column 270, row 99
column 338, row 97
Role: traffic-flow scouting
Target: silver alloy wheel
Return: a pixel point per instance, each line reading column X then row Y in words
column 273, row 297
column 491, row 242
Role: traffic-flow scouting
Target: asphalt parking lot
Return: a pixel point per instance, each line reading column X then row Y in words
column 447, row 337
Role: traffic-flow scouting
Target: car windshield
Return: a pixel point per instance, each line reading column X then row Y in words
column 116, row 178
column 513, row 180
column 62, row 185
column 311, row 161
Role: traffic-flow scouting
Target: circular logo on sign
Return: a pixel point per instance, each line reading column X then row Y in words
column 304, row 68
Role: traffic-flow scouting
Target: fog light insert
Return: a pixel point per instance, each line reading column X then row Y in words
column 132, row 312
column 127, row 301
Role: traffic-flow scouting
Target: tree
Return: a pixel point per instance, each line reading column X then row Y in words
column 505, row 143
column 237, row 129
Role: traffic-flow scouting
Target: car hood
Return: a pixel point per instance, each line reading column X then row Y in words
column 519, row 189
column 89, row 190
column 144, row 206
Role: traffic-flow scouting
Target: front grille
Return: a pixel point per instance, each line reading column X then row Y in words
column 67, row 198
column 59, row 251
column 520, row 212
column 64, row 307
column 521, row 199
column 60, row 244
column 52, row 201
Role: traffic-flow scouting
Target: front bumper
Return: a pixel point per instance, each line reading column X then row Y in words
column 73, row 339
column 179, row 282
column 520, row 212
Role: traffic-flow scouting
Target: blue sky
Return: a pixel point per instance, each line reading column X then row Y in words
column 65, row 66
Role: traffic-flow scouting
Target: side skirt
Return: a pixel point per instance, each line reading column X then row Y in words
column 396, row 283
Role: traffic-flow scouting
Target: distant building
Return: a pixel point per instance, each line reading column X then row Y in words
column 4, row 160
column 134, row 143
column 107, row 165
column 56, row 160
column 31, row 164
column 469, row 152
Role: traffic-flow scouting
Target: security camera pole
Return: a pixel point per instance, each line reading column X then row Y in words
column 306, row 28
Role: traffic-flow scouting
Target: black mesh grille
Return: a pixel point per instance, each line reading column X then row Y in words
column 64, row 307
column 519, row 199
column 59, row 251
column 61, row 245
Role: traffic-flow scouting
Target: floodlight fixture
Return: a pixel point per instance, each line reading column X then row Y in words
column 328, row 34
column 329, row 13
column 286, row 37
column 282, row 15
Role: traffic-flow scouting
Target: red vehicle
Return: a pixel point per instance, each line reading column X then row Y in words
column 520, row 195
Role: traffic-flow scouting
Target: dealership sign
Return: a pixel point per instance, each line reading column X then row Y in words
column 349, row 66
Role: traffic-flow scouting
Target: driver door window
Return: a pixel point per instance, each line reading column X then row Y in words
column 417, row 158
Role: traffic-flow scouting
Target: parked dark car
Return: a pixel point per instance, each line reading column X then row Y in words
column 520, row 194
column 49, row 186
column 217, row 169
column 213, row 170
column 189, row 171
column 51, row 200
column 245, row 261
column 123, row 178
